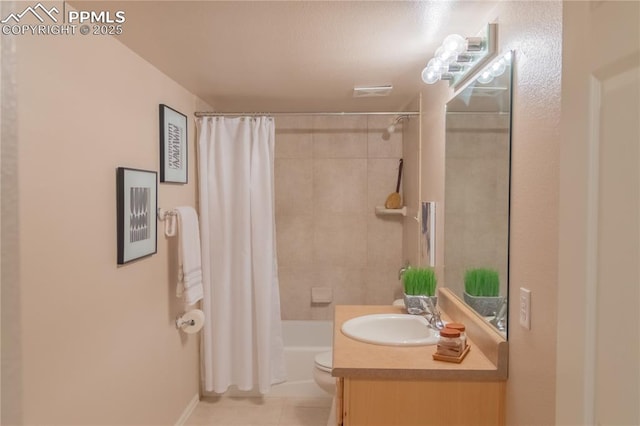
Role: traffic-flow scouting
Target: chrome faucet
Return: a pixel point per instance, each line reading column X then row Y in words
column 403, row 269
column 431, row 314
column 500, row 320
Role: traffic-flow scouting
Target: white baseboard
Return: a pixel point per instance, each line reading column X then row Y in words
column 188, row 410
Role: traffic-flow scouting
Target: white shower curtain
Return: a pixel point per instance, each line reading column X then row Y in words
column 242, row 337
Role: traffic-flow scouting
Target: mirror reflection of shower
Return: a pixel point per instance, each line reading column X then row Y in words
column 386, row 135
column 477, row 188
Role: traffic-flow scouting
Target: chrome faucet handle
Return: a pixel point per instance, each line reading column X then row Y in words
column 435, row 321
column 432, row 315
column 500, row 319
column 403, row 269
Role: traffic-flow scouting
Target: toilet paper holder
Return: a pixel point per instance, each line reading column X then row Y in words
column 182, row 323
column 190, row 322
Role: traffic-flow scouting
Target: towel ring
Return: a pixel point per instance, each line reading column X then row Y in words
column 169, row 218
column 163, row 214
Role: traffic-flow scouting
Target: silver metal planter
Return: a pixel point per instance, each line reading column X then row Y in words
column 416, row 305
column 484, row 305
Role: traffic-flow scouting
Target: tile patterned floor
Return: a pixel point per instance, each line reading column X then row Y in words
column 271, row 411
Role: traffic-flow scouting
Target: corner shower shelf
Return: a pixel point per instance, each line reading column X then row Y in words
column 381, row 211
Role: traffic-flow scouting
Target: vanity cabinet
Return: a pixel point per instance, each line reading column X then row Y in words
column 385, row 402
column 391, row 385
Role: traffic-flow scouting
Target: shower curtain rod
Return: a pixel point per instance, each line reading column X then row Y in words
column 302, row 114
column 478, row 112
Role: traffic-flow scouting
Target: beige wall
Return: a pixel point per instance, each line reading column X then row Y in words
column 534, row 31
column 330, row 174
column 11, row 383
column 99, row 343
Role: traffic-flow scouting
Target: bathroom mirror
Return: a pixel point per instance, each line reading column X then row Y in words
column 477, row 184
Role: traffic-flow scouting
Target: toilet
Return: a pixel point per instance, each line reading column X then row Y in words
column 324, row 365
column 324, row 379
column 322, row 372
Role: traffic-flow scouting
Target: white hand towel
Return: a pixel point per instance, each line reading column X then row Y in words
column 189, row 258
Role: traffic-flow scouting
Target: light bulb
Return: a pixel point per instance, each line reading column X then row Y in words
column 438, row 65
column 455, row 43
column 430, row 76
column 485, row 77
column 445, row 55
column 497, row 68
column 391, row 128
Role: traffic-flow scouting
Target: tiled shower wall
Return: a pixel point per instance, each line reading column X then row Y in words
column 330, row 173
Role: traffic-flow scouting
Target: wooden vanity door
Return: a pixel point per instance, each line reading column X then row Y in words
column 370, row 402
column 339, row 401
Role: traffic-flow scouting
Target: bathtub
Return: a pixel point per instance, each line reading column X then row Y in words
column 303, row 340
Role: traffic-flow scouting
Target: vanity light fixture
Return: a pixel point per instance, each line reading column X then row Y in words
column 495, row 69
column 458, row 56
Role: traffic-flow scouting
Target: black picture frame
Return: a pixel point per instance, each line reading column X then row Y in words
column 174, row 161
column 136, row 205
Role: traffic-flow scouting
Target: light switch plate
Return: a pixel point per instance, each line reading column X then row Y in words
column 525, row 308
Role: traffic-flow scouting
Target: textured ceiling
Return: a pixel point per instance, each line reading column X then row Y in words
column 299, row 56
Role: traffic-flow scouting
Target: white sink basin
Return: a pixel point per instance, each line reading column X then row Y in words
column 391, row 330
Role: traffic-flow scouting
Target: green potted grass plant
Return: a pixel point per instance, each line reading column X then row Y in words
column 482, row 290
column 419, row 283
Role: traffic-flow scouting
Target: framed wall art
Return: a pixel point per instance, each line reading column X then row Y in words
column 137, row 203
column 173, row 145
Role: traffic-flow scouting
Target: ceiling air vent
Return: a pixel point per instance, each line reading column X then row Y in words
column 367, row 92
